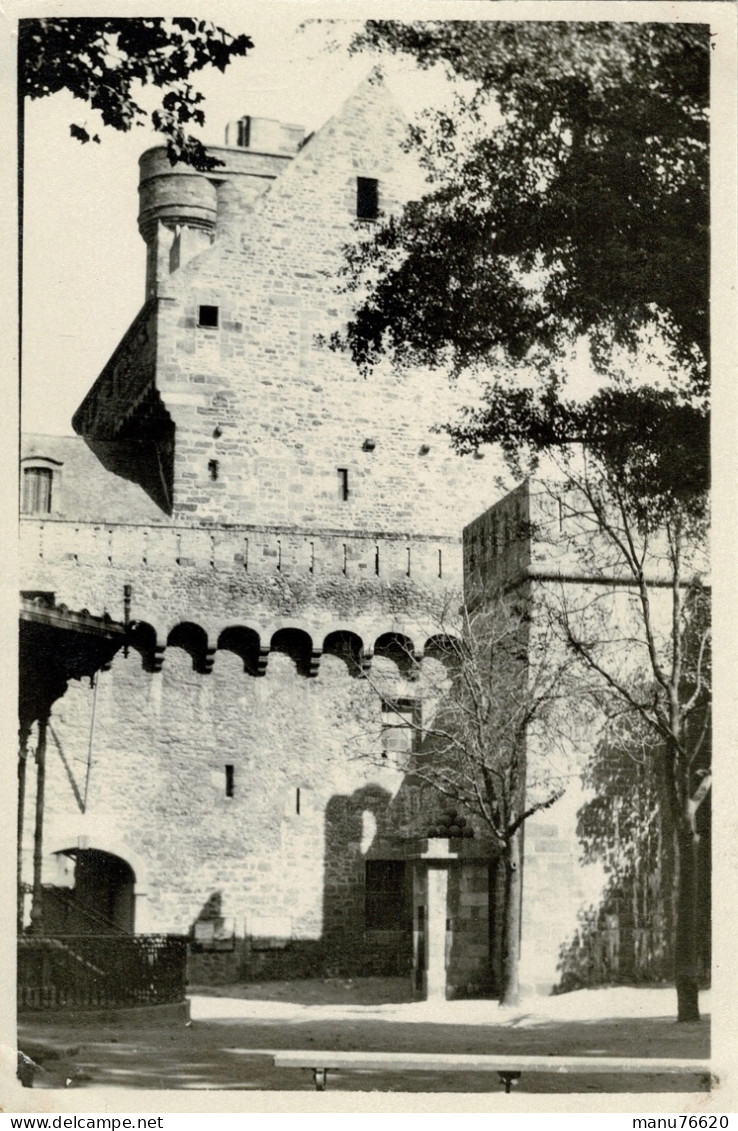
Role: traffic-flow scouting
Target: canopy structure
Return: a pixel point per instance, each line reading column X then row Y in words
column 57, row 644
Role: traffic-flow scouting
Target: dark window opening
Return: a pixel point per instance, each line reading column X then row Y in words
column 367, row 198
column 213, row 468
column 229, row 781
column 297, row 801
column 343, row 483
column 208, row 317
column 385, row 895
column 244, row 133
column 37, row 482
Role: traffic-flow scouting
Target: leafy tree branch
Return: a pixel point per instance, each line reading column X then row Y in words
column 103, row 62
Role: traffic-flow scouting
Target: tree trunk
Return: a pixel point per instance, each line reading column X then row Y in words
column 686, row 966
column 497, row 905
column 510, row 990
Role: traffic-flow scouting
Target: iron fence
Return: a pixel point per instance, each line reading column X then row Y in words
column 96, row 971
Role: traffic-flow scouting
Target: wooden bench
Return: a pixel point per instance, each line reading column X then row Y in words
column 508, row 1067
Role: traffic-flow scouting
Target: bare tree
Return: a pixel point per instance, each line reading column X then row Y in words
column 483, row 689
column 627, row 595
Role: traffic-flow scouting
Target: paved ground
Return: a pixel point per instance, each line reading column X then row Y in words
column 234, row 1030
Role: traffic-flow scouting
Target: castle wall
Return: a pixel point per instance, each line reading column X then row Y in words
column 286, row 713
column 137, row 766
column 63, row 555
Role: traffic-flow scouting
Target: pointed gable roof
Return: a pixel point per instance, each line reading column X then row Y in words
column 367, row 130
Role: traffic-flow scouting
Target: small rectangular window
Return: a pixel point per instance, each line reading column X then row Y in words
column 367, row 198
column 37, row 483
column 343, row 483
column 208, row 317
column 229, row 781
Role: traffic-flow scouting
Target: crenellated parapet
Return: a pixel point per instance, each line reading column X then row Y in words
column 241, row 549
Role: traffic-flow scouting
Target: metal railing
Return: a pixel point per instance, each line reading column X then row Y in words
column 73, row 910
column 97, row 971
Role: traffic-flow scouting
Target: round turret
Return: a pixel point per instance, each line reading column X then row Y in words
column 174, row 194
column 178, row 206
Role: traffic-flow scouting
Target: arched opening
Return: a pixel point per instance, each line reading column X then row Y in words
column 347, row 646
column 142, row 638
column 296, row 644
column 101, row 900
column 446, row 649
column 398, row 648
column 243, row 642
column 193, row 640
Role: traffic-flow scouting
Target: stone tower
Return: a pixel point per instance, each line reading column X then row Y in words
column 281, row 526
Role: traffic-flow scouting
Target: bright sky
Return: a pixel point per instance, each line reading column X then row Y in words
column 84, row 261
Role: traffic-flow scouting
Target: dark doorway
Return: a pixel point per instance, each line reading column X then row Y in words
column 386, row 896
column 102, row 899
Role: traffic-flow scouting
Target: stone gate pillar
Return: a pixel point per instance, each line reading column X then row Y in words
column 451, row 918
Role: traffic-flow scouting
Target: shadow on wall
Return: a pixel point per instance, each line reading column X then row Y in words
column 627, row 938
column 363, row 870
column 367, row 911
column 148, row 463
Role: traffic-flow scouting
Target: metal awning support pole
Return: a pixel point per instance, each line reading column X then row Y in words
column 38, row 835
column 22, row 763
